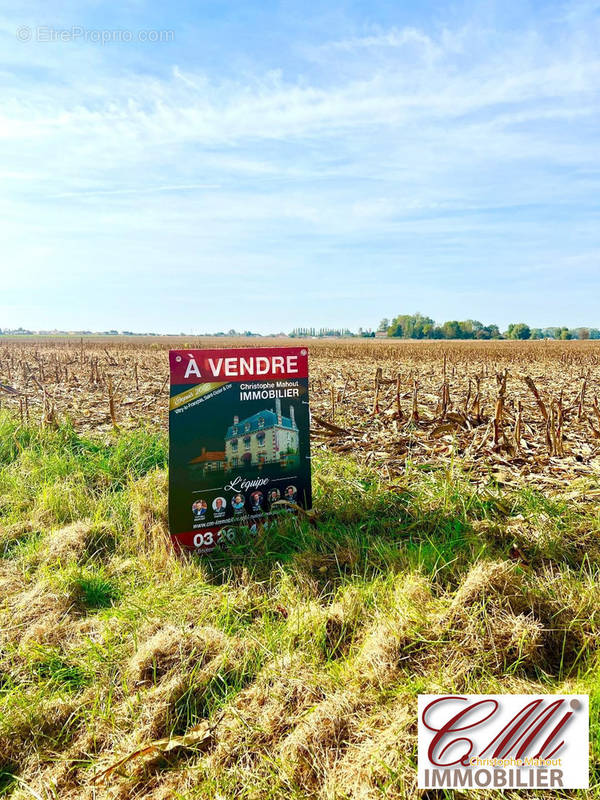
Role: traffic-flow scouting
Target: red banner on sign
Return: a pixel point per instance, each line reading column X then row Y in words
column 234, row 366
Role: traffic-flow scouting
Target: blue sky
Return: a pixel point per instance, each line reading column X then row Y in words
column 275, row 164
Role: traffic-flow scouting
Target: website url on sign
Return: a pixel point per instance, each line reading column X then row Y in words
column 77, row 33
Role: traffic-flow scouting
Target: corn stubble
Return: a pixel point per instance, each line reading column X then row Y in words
column 529, row 410
column 454, row 546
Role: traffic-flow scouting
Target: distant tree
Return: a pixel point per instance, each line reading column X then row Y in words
column 422, row 325
column 451, row 329
column 491, row 332
column 395, row 328
column 518, row 330
column 410, row 326
column 565, row 334
column 537, row 333
column 487, row 332
column 384, row 324
column 550, row 333
column 469, row 329
column 583, row 333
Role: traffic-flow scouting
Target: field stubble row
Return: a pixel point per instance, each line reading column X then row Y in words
column 528, row 411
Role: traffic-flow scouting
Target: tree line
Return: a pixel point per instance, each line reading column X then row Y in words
column 321, row 332
column 418, row 326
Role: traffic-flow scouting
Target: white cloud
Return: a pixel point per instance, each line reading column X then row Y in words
column 400, row 137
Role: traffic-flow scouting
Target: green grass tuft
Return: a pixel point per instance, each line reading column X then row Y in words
column 305, row 644
column 94, row 590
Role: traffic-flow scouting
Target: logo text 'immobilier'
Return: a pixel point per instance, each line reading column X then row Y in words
column 503, row 741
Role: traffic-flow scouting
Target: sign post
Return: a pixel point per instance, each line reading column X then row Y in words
column 239, row 441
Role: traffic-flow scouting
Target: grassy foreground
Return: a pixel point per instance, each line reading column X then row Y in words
column 304, row 648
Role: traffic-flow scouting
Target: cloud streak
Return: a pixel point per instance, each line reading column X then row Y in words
column 418, row 149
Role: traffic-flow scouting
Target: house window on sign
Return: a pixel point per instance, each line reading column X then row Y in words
column 247, row 442
column 261, row 422
column 260, row 437
column 234, row 444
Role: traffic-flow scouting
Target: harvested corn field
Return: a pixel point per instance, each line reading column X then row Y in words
column 454, row 547
column 530, row 411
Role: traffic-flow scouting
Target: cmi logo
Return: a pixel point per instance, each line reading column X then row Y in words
column 503, row 741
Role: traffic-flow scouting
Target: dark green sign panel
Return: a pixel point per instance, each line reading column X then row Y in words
column 239, row 441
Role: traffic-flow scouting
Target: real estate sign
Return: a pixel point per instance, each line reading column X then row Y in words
column 239, row 441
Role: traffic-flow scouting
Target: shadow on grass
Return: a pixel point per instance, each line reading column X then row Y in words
column 367, row 530
column 438, row 522
column 8, row 778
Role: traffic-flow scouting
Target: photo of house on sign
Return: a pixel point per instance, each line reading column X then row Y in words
column 266, row 437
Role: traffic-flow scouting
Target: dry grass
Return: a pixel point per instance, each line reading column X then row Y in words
column 433, row 566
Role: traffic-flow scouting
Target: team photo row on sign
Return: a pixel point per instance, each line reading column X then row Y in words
column 239, row 441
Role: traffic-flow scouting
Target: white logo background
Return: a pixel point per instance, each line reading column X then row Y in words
column 474, row 741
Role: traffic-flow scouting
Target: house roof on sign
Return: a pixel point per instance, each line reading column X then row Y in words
column 211, row 455
column 270, row 420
